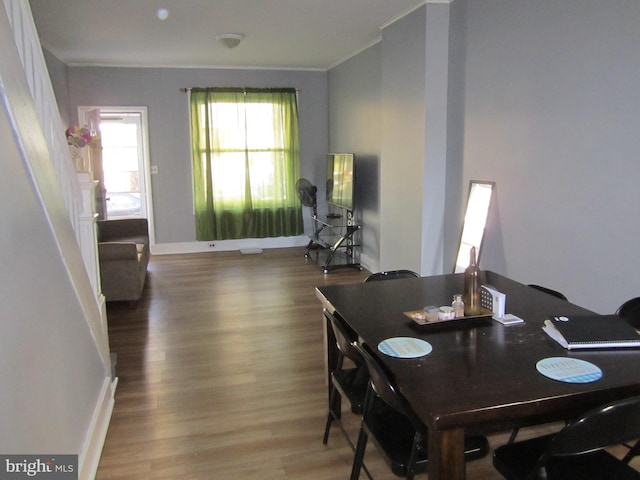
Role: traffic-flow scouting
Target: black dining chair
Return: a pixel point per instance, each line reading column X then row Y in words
column 549, row 291
column 349, row 383
column 630, row 310
column 577, row 452
column 394, row 428
column 390, row 275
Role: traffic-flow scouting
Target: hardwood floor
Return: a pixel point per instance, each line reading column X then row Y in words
column 221, row 374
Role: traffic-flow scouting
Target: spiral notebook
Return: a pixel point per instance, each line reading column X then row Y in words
column 591, row 331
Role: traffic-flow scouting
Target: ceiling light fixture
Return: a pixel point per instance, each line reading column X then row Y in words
column 163, row 13
column 229, row 40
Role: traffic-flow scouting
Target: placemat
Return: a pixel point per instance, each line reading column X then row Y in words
column 405, row 347
column 569, row 370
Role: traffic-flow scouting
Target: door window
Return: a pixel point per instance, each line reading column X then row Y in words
column 121, row 163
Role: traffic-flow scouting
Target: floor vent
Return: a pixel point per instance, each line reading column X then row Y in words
column 250, row 251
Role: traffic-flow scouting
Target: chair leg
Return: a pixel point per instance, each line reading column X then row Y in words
column 413, row 458
column 335, row 402
column 359, row 455
column 512, row 437
column 633, row 451
column 325, row 439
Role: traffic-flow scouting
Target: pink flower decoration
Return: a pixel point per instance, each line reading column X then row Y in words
column 79, row 136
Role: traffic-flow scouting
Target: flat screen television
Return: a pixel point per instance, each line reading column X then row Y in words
column 340, row 180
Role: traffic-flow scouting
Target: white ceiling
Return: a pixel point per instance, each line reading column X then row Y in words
column 296, row 34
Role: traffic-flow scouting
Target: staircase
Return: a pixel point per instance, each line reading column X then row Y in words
column 76, row 187
column 77, row 192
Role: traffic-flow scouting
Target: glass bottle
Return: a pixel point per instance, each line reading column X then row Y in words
column 458, row 305
column 472, row 286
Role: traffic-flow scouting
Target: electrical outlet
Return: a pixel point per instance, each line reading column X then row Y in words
column 154, row 169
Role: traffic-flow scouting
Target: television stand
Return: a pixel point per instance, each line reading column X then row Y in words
column 332, row 244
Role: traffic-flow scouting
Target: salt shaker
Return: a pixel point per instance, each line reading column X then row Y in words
column 458, row 305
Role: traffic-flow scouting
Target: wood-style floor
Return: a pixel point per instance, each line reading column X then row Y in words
column 221, row 374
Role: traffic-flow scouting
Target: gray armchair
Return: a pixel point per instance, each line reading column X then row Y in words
column 123, row 252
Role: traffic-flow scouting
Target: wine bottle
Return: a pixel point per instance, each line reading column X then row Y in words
column 472, row 286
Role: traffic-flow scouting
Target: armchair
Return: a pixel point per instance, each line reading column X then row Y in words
column 123, row 253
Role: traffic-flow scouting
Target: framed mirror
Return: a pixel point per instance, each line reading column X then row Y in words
column 474, row 223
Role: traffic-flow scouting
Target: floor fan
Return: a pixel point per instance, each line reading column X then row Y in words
column 307, row 193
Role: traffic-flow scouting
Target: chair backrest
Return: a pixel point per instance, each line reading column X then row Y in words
column 555, row 293
column 344, row 339
column 630, row 310
column 391, row 275
column 612, row 424
column 381, row 383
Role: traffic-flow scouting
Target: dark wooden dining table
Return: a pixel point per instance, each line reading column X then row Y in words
column 481, row 375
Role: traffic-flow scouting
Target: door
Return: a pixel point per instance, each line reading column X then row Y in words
column 123, row 169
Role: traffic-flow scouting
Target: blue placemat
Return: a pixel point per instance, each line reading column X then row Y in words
column 569, row 370
column 405, row 347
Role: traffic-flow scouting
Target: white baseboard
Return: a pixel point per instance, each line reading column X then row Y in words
column 228, row 245
column 369, row 263
column 89, row 458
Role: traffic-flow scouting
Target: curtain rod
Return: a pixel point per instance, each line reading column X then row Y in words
column 244, row 89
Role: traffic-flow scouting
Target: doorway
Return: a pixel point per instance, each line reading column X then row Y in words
column 123, row 166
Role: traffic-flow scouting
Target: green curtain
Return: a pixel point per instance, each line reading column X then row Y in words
column 246, row 160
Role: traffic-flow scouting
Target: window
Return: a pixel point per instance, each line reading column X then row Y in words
column 245, row 163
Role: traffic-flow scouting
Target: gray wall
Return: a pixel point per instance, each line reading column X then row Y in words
column 402, row 142
column 377, row 110
column 389, row 104
column 59, row 75
column 354, row 126
column 50, row 368
column 436, row 156
column 551, row 113
column 543, row 99
column 159, row 91
column 456, row 186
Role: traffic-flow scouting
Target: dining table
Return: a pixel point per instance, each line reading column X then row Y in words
column 478, row 375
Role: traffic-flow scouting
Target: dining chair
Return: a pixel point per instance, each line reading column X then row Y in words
column 394, row 428
column 631, row 311
column 555, row 293
column 349, row 383
column 577, row 452
column 391, row 275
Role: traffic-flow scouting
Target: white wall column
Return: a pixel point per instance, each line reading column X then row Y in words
column 435, row 153
column 88, row 234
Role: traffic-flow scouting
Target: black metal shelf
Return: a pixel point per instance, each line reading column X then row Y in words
column 332, row 243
